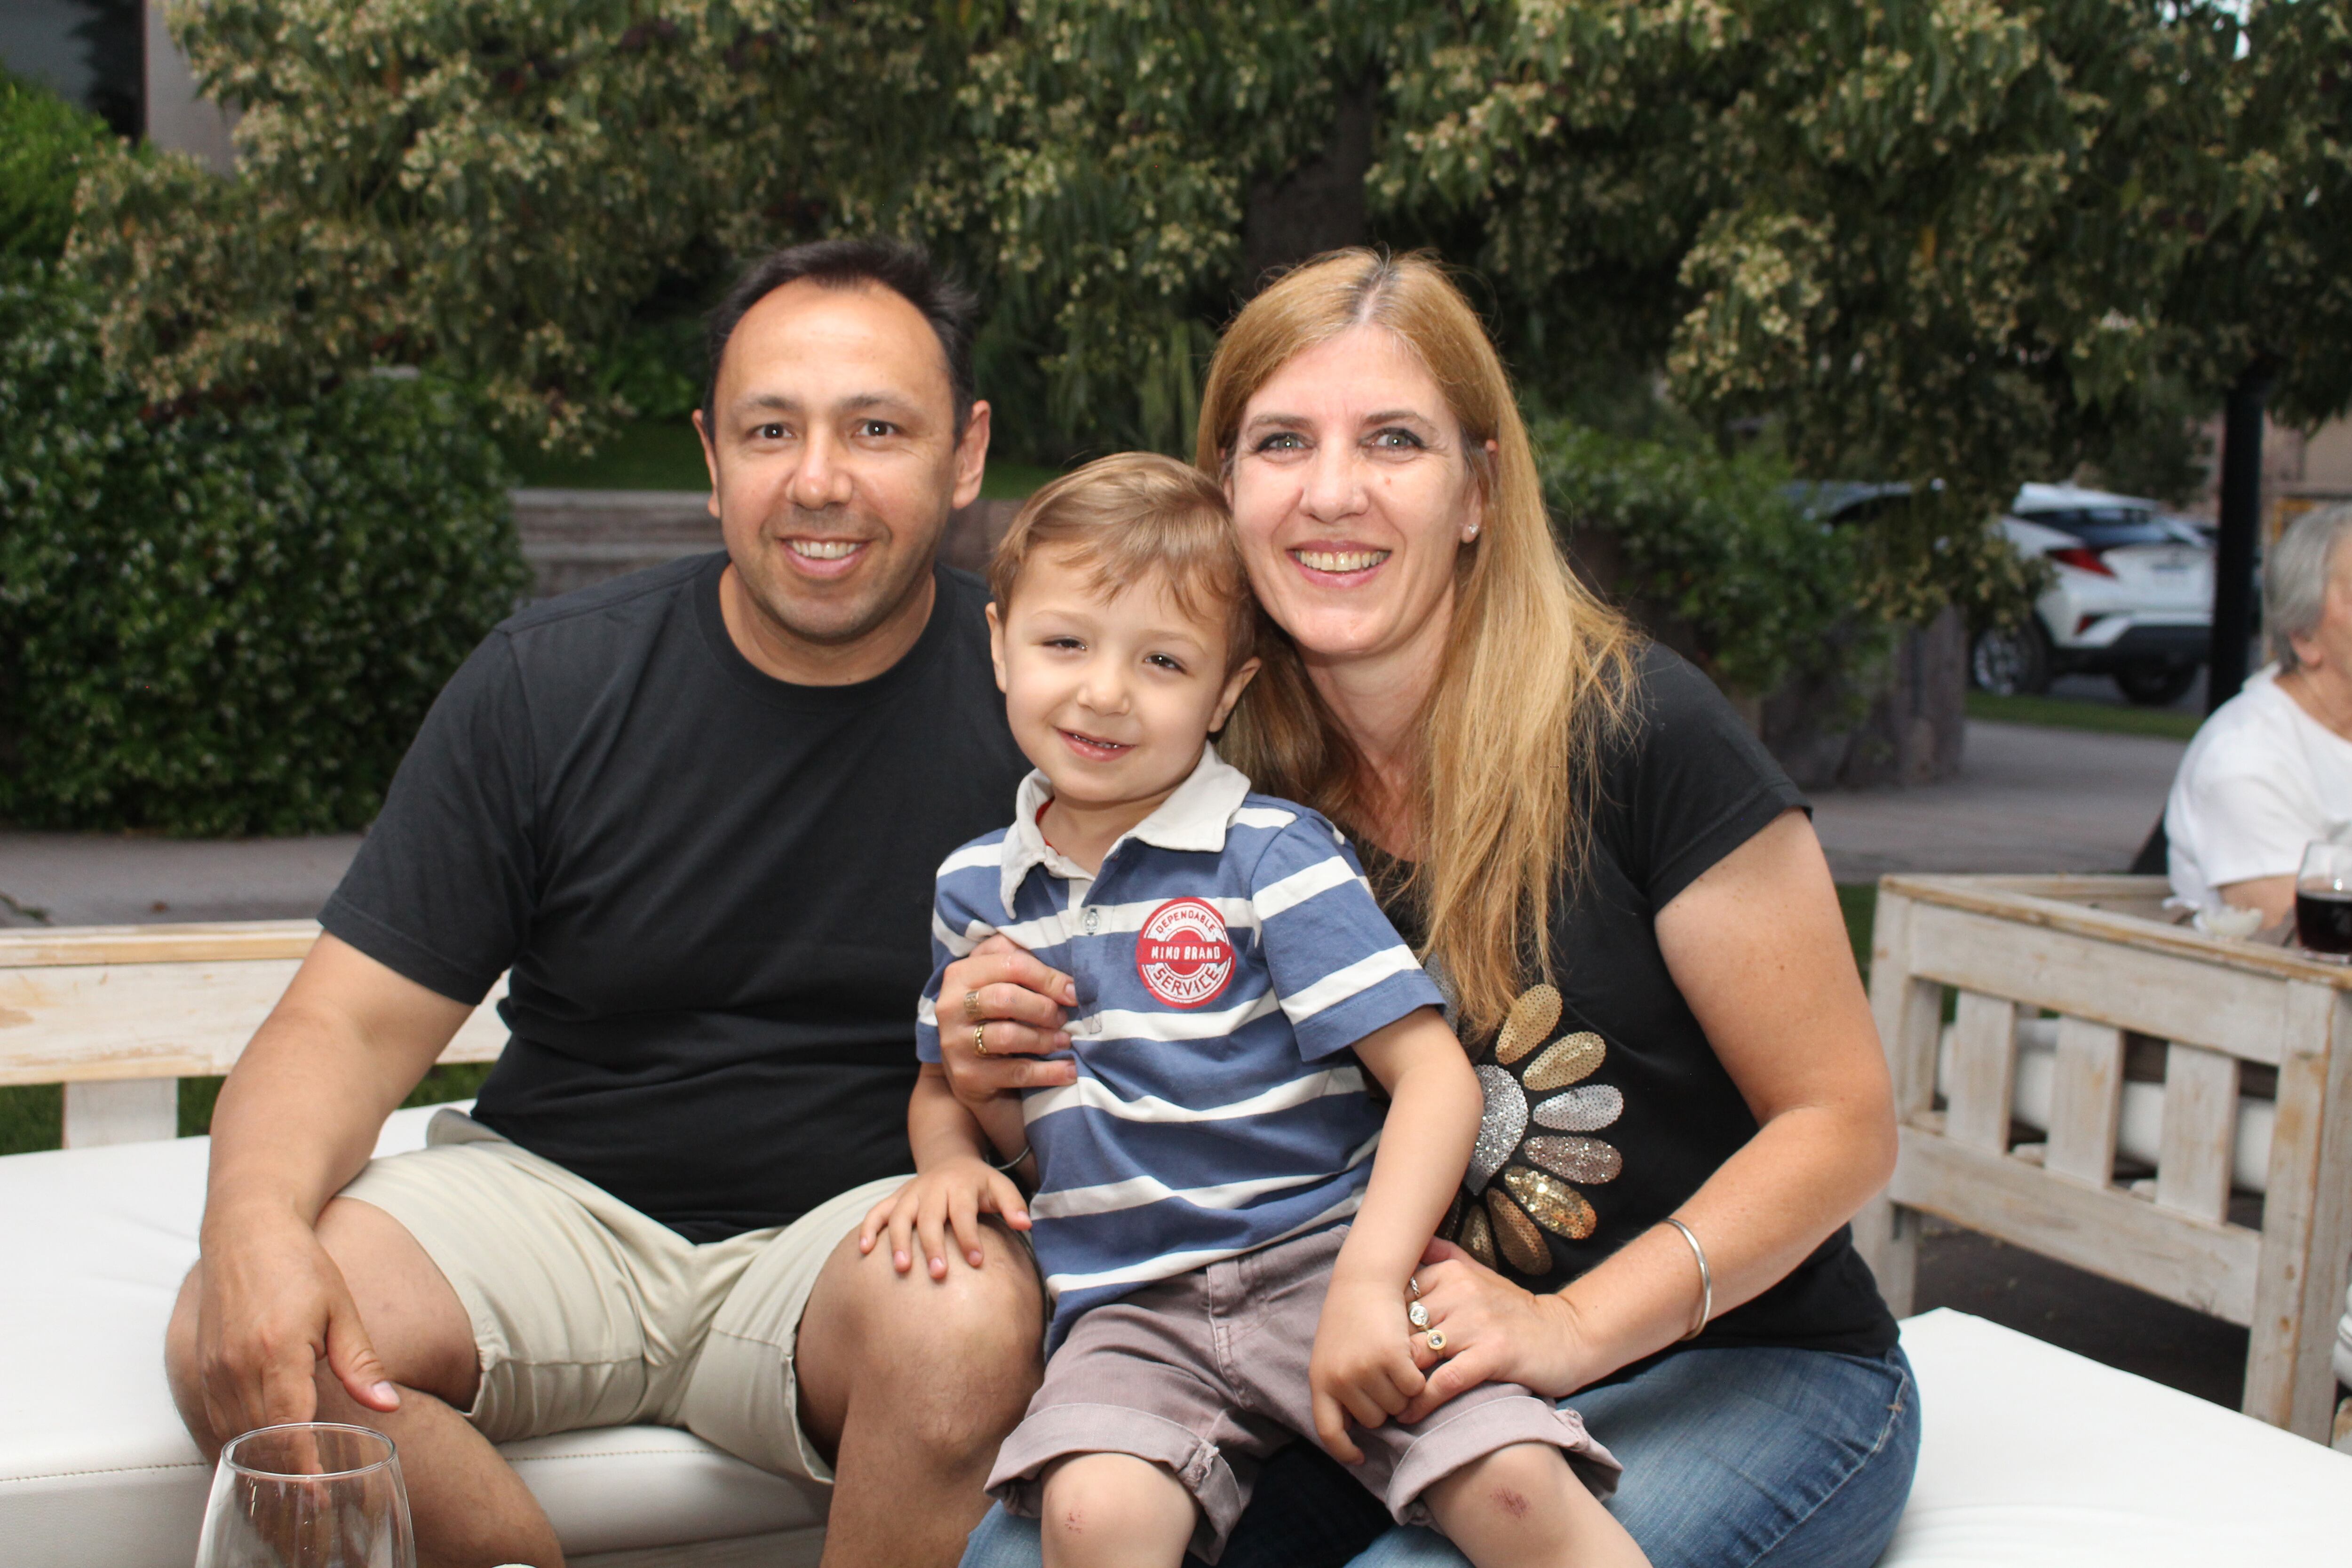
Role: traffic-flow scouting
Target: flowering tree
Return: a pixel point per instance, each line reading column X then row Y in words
column 1941, row 240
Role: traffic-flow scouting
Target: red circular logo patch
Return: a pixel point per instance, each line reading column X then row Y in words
column 1183, row 953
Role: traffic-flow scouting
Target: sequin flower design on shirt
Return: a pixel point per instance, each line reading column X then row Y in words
column 1525, row 1181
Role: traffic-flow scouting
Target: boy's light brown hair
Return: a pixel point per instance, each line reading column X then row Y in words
column 1122, row 517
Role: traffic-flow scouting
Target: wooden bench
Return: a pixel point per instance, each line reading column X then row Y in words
column 2029, row 1450
column 2096, row 952
column 94, row 1471
column 119, row 1015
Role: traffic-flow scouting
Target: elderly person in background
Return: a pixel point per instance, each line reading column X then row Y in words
column 2272, row 770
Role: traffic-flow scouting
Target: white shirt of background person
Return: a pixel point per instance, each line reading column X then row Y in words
column 2272, row 770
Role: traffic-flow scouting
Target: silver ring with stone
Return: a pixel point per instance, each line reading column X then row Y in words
column 1417, row 1315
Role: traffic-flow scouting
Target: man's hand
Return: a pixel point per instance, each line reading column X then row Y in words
column 274, row 1305
column 297, row 1119
column 951, row 1196
column 1362, row 1368
column 1020, row 1010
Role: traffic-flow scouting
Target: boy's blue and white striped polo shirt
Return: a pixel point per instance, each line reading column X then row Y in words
column 1225, row 957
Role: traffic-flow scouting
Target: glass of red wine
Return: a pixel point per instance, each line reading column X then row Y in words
column 2323, row 900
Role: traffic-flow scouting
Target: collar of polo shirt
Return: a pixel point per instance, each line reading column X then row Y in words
column 1194, row 817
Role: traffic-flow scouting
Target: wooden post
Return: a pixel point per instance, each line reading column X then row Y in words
column 2086, row 1101
column 121, row 1111
column 1909, row 1015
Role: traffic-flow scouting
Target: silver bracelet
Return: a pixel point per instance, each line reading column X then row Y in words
column 1008, row 1166
column 1705, row 1281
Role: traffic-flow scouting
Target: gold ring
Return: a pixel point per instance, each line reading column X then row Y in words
column 1436, row 1339
column 1417, row 1315
column 972, row 1006
column 980, row 1039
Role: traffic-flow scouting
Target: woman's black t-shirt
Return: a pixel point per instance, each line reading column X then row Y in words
column 1603, row 1121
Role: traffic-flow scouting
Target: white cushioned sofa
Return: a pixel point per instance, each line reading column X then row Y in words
column 2032, row 1455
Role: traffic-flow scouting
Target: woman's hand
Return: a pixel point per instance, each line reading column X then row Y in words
column 1001, row 990
column 951, row 1198
column 1492, row 1331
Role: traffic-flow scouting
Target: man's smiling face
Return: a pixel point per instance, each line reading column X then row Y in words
column 835, row 461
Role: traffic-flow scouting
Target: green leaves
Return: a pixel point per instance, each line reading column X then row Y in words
column 44, row 142
column 229, row 618
column 1711, row 551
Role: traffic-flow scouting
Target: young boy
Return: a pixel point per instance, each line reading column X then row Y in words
column 1235, row 983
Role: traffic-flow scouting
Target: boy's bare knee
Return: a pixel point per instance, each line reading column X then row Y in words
column 1509, row 1486
column 1096, row 1502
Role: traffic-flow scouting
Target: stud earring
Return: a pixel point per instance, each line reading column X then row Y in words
column 1470, row 533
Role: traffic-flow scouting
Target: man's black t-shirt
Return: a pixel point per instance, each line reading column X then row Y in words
column 1633, row 1129
column 713, row 887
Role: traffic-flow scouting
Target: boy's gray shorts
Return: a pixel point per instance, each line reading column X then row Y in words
column 1205, row 1374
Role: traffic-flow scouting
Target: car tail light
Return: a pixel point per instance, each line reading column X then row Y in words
column 2082, row 558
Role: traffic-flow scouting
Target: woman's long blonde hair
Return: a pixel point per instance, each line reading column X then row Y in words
column 1536, row 681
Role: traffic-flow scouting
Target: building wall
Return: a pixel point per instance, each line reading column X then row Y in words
column 178, row 118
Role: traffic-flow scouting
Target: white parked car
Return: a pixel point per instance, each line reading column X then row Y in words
column 2133, row 598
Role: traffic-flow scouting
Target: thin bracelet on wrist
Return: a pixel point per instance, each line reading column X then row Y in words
column 1008, row 1166
column 1705, row 1281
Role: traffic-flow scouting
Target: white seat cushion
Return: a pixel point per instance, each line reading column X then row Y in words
column 95, row 1469
column 2032, row 1455
column 2035, row 1456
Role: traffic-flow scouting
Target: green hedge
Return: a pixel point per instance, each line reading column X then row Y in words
column 43, row 142
column 226, row 619
column 1714, row 545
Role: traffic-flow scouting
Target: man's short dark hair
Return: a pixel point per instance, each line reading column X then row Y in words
column 904, row 268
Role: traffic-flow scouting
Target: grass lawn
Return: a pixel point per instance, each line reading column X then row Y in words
column 666, row 455
column 2063, row 713
column 1859, row 902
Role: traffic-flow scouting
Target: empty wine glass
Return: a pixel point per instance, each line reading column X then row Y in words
column 313, row 1494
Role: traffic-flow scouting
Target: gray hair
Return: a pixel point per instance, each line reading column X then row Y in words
column 2294, row 579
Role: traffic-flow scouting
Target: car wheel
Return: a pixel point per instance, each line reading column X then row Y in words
column 2010, row 661
column 2156, row 685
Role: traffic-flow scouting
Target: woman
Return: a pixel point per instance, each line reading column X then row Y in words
column 2272, row 768
column 1686, row 1099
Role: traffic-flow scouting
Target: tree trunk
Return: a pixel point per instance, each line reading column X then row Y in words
column 1903, row 723
column 1319, row 205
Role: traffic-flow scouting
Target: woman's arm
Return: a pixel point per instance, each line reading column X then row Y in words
column 2273, row 896
column 1758, row 948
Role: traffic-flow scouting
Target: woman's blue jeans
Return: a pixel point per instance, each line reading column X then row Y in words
column 1762, row 1456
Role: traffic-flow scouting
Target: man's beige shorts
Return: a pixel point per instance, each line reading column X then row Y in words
column 587, row 1314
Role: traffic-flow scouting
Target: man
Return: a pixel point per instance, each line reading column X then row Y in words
column 696, row 813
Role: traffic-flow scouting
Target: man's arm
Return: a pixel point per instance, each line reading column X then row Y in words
column 297, row 1120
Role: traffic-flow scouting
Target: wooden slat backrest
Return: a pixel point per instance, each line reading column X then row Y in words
column 2084, row 949
column 93, row 1006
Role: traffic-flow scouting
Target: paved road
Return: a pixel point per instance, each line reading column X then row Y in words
column 105, row 878
column 2029, row 798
